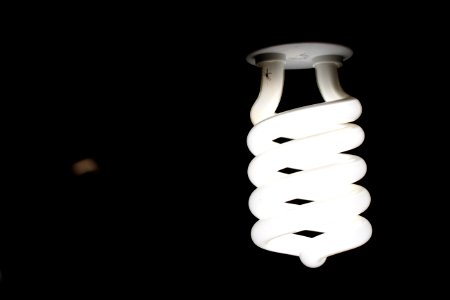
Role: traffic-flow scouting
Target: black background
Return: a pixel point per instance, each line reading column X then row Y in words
column 163, row 106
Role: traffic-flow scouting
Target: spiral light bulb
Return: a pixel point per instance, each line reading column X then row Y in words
column 316, row 137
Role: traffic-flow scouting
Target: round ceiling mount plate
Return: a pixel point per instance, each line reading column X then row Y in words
column 301, row 55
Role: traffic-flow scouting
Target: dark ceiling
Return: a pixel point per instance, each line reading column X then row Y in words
column 165, row 113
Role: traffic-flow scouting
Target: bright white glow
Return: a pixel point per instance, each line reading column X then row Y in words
column 319, row 133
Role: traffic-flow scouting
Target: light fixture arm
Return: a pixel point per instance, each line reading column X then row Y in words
column 327, row 77
column 272, row 81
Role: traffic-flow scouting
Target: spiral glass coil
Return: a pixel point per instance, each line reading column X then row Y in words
column 317, row 135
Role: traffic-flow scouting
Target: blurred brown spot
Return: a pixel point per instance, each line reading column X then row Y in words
column 85, row 166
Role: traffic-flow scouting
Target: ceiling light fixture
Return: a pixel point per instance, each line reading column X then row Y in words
column 299, row 159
